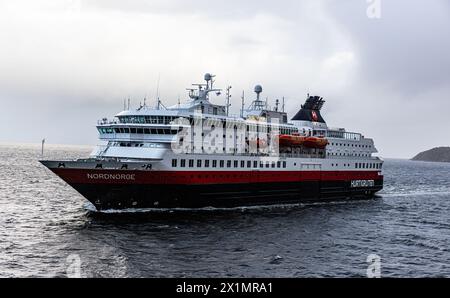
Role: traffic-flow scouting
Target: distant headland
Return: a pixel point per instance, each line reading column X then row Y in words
column 439, row 154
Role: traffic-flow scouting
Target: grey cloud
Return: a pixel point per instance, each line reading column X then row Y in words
column 405, row 49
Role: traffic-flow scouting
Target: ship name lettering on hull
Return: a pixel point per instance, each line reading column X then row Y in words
column 362, row 183
column 111, row 176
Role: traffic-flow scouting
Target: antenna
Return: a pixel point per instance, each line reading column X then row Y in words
column 277, row 103
column 228, row 99
column 283, row 104
column 243, row 103
column 157, row 91
column 128, row 103
column 124, row 104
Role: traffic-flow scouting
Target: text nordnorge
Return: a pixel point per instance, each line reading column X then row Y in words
column 112, row 176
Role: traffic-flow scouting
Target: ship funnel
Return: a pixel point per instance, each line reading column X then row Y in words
column 310, row 111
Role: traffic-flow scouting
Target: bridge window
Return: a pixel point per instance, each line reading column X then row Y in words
column 174, row 163
column 228, row 163
column 191, row 163
column 183, row 163
column 222, row 163
column 199, row 163
column 214, row 163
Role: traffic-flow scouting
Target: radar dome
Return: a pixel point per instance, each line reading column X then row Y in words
column 258, row 89
column 208, row 77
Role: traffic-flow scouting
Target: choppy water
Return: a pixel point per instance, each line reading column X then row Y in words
column 46, row 230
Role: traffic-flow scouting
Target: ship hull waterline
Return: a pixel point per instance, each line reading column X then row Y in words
column 116, row 189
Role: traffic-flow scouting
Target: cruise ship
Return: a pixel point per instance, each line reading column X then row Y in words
column 196, row 154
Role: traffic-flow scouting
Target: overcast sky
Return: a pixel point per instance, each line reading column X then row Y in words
column 65, row 64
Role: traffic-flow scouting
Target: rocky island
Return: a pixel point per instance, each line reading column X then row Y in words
column 439, row 154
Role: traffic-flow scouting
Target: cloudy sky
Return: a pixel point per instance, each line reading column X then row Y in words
column 383, row 66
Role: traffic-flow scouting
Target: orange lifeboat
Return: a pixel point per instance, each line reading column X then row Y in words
column 315, row 142
column 290, row 140
column 258, row 143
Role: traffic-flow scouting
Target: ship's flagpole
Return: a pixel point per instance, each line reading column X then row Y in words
column 42, row 147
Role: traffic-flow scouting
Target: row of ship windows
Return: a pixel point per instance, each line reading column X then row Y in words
column 159, row 131
column 344, row 135
column 133, row 130
column 352, row 145
column 133, row 144
column 169, row 119
column 349, row 154
column 229, row 163
column 147, row 119
column 368, row 165
column 361, row 165
column 191, row 163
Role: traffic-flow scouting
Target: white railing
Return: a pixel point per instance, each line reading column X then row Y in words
column 343, row 135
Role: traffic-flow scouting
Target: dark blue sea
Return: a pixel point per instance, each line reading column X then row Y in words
column 49, row 230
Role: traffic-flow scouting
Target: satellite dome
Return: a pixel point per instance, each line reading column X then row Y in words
column 258, row 89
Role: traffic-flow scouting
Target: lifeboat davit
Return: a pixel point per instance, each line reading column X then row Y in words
column 315, row 142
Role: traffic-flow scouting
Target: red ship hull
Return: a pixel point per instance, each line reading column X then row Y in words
column 121, row 189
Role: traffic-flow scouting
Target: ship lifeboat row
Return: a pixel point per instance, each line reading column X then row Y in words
column 293, row 141
column 297, row 140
